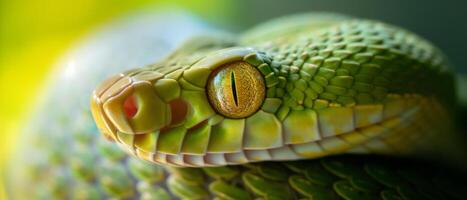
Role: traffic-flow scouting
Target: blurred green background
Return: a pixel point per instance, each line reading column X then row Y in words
column 34, row 33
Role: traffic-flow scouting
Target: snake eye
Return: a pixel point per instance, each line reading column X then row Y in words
column 236, row 90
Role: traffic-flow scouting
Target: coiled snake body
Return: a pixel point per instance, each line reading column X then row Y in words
column 297, row 88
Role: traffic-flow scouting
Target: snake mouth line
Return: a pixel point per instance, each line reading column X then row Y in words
column 362, row 140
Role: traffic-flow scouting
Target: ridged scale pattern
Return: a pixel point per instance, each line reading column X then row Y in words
column 356, row 62
column 106, row 172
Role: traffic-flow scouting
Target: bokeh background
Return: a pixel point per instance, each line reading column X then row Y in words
column 35, row 33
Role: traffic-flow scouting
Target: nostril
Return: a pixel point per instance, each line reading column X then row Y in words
column 129, row 106
column 178, row 110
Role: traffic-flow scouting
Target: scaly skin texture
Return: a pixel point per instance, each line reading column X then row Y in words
column 346, row 85
column 333, row 85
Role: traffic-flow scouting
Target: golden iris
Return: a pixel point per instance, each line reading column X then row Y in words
column 236, row 90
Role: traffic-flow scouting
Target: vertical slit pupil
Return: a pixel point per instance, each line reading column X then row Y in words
column 234, row 87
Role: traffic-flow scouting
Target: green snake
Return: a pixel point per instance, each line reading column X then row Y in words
column 250, row 116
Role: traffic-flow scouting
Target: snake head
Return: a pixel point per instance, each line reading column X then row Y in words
column 309, row 99
column 193, row 114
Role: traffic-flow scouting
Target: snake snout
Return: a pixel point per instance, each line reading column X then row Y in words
column 133, row 105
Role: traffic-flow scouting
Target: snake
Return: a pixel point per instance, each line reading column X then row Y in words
column 307, row 106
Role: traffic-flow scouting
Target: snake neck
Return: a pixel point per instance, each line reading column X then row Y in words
column 364, row 65
column 357, row 62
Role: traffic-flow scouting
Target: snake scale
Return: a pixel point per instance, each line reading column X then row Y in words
column 311, row 106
